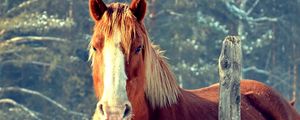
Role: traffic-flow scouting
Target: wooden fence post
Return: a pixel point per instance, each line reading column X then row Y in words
column 230, row 65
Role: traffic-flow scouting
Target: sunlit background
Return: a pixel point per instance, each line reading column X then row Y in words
column 45, row 74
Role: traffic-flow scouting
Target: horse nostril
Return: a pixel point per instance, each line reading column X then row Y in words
column 101, row 109
column 127, row 110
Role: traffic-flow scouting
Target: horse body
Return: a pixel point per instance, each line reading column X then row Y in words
column 258, row 102
column 132, row 80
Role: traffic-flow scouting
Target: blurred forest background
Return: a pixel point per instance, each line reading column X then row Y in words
column 44, row 72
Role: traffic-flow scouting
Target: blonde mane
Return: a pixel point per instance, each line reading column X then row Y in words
column 160, row 87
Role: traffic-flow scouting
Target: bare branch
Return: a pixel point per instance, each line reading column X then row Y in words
column 157, row 14
column 260, row 71
column 261, row 19
column 267, row 73
column 44, row 64
column 255, row 69
column 23, row 90
column 295, row 72
column 21, row 6
column 281, row 82
column 2, row 32
column 253, row 6
column 30, row 39
column 243, row 15
column 10, row 101
column 20, row 49
column 71, row 9
column 235, row 10
column 171, row 12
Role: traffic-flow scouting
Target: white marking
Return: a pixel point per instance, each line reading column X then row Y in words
column 114, row 93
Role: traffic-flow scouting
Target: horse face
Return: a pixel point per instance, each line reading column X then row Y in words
column 117, row 58
column 113, row 102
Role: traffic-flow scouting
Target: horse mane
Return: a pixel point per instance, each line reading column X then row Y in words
column 160, row 87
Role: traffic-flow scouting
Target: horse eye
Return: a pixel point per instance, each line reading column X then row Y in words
column 94, row 48
column 138, row 49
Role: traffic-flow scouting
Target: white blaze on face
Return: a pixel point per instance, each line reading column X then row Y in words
column 114, row 72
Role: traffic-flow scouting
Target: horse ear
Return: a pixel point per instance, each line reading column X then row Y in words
column 97, row 9
column 138, row 8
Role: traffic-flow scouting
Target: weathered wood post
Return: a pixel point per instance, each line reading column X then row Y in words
column 230, row 64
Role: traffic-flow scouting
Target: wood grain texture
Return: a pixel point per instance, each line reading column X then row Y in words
column 230, row 64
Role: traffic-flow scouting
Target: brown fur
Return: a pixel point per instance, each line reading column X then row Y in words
column 151, row 86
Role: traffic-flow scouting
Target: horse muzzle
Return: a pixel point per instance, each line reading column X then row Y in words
column 113, row 112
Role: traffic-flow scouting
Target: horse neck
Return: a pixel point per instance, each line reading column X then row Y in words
column 189, row 106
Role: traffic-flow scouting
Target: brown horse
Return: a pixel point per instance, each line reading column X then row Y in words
column 132, row 80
